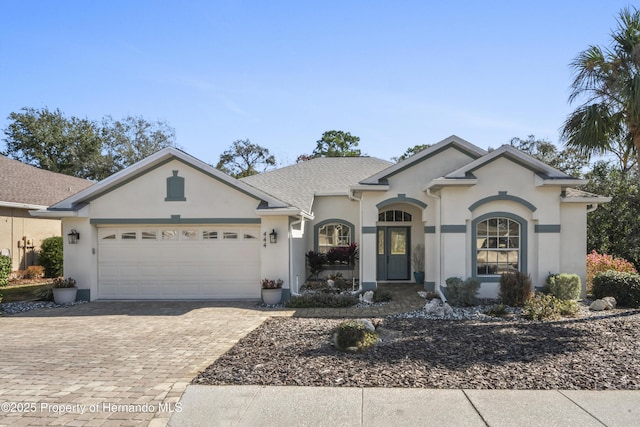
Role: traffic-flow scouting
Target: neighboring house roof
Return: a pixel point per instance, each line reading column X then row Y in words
column 298, row 184
column 153, row 161
column 27, row 186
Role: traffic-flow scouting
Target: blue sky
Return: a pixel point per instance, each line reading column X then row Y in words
column 394, row 73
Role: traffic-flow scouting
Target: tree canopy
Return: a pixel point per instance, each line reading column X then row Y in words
column 336, row 143
column 82, row 147
column 569, row 160
column 244, row 158
column 410, row 152
column 607, row 81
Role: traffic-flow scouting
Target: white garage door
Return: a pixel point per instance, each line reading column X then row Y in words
column 218, row 262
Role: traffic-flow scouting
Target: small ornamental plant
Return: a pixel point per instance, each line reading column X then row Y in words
column 271, row 284
column 61, row 282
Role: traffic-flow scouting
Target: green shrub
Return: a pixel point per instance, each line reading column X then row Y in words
column 624, row 287
column 462, row 293
column 50, row 256
column 44, row 294
column 321, row 301
column 381, row 295
column 5, row 270
column 599, row 263
column 498, row 310
column 353, row 335
column 515, row 288
column 565, row 286
column 548, row 307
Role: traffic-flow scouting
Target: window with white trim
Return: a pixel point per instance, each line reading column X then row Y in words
column 333, row 235
column 498, row 247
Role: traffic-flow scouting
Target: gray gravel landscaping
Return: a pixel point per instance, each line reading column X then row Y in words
column 591, row 352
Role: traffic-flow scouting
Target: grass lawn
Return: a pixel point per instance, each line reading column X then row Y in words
column 22, row 291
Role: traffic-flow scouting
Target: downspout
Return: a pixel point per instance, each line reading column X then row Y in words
column 439, row 242
column 351, row 195
column 296, row 293
column 592, row 207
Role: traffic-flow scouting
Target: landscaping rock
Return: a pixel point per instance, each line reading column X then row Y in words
column 606, row 303
column 367, row 297
column 610, row 302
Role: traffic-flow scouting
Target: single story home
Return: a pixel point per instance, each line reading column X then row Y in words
column 24, row 188
column 173, row 227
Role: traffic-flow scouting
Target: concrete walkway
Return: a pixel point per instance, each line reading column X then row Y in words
column 323, row 406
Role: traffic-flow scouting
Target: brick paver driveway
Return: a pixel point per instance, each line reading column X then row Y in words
column 111, row 363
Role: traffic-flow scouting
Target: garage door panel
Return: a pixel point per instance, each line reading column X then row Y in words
column 178, row 269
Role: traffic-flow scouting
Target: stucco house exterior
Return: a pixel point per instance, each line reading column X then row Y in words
column 173, row 227
column 24, row 188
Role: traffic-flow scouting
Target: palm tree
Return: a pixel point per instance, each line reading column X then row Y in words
column 608, row 80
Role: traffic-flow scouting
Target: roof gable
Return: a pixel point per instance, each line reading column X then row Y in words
column 22, row 184
column 153, row 162
column 452, row 142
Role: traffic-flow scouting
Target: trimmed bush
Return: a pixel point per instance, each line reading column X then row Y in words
column 34, row 272
column 5, row 270
column 599, row 263
column 321, row 300
column 515, row 289
column 381, row 295
column 565, row 286
column 352, row 335
column 624, row 287
column 462, row 293
column 50, row 256
column 548, row 307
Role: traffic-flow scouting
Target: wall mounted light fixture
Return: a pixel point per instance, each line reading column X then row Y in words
column 73, row 236
column 273, row 236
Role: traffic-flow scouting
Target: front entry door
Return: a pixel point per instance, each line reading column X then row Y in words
column 393, row 253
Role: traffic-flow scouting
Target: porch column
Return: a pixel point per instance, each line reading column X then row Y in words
column 368, row 248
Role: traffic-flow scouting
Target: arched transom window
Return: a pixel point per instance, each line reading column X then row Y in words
column 498, row 246
column 394, row 216
column 333, row 235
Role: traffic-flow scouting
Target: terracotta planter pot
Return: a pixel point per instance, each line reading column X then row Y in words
column 272, row 296
column 64, row 295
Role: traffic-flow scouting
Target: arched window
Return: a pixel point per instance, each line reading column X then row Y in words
column 394, row 216
column 333, row 235
column 498, row 246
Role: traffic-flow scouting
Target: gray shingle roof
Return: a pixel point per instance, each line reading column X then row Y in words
column 21, row 183
column 297, row 184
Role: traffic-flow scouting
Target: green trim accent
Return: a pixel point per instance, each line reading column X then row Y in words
column 369, row 286
column 502, row 195
column 453, row 228
column 160, row 164
column 429, row 286
column 83, row 295
column 175, row 219
column 369, row 230
column 402, row 198
column 451, row 144
column 474, row 244
column 175, row 188
column 286, row 294
column 429, row 229
column 547, row 228
column 329, row 221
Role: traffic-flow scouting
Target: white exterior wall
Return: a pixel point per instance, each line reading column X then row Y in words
column 573, row 242
column 81, row 259
column 275, row 256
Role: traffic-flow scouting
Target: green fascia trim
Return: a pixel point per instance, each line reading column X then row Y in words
column 429, row 286
column 401, row 199
column 502, row 195
column 547, row 228
column 160, row 164
column 452, row 144
column 369, row 286
column 83, row 295
column 329, row 221
column 453, row 228
column 175, row 199
column 369, row 230
column 429, row 229
column 510, row 157
column 474, row 244
column 175, row 219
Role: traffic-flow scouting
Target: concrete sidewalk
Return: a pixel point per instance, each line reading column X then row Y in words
column 337, row 407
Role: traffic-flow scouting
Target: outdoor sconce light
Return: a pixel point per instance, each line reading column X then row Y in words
column 273, row 236
column 74, row 236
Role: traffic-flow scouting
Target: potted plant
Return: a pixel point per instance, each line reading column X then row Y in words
column 417, row 262
column 64, row 290
column 271, row 291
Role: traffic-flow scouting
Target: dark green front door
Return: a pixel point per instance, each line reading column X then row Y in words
column 393, row 253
